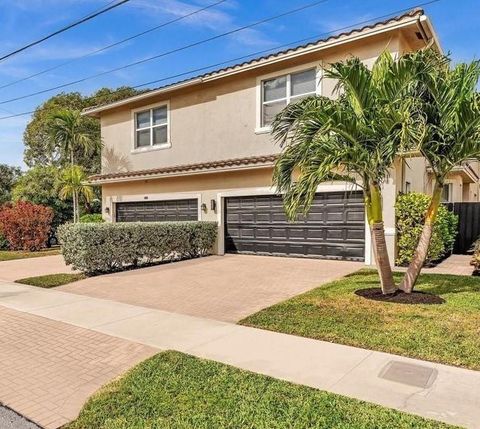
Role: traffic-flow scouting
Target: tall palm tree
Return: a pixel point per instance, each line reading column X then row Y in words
column 73, row 185
column 451, row 107
column 354, row 138
column 67, row 132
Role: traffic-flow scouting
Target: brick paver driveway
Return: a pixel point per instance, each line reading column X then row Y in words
column 49, row 368
column 31, row 267
column 226, row 288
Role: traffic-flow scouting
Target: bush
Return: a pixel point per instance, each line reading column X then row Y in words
column 26, row 226
column 410, row 210
column 3, row 242
column 92, row 218
column 476, row 257
column 106, row 247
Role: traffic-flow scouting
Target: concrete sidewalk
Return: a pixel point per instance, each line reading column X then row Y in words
column 447, row 393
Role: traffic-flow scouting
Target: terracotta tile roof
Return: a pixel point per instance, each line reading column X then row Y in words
column 186, row 168
column 410, row 14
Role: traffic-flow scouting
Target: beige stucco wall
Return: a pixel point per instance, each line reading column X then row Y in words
column 215, row 186
column 217, row 120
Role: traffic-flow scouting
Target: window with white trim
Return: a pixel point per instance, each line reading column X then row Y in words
column 282, row 90
column 151, row 127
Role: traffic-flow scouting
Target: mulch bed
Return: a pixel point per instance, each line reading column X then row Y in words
column 400, row 297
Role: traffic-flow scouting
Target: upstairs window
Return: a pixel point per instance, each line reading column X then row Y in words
column 151, row 128
column 282, row 90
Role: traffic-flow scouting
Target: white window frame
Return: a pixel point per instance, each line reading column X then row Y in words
column 152, row 147
column 259, row 127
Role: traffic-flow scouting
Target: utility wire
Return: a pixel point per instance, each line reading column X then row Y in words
column 163, row 54
column 120, row 42
column 254, row 54
column 63, row 29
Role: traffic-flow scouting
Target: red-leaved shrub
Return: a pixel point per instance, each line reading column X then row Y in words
column 25, row 225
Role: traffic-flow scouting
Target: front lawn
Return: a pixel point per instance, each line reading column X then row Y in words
column 176, row 391
column 9, row 255
column 448, row 333
column 51, row 280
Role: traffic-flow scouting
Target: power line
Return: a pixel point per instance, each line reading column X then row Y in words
column 63, row 29
column 254, row 54
column 120, row 42
column 163, row 54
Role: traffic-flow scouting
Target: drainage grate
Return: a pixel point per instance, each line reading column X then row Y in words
column 407, row 373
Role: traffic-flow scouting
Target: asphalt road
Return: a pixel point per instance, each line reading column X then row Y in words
column 11, row 420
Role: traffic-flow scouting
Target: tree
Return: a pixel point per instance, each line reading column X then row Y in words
column 8, row 177
column 354, row 138
column 451, row 107
column 40, row 150
column 66, row 131
column 73, row 185
column 40, row 185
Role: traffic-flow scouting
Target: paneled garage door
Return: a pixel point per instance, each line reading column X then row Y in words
column 334, row 228
column 157, row 211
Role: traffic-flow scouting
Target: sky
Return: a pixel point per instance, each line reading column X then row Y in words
column 22, row 21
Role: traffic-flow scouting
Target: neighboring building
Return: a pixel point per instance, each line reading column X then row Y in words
column 201, row 149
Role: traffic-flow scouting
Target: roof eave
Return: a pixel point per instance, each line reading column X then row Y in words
column 154, row 176
column 406, row 21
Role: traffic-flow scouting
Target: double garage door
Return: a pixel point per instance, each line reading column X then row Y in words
column 157, row 211
column 333, row 229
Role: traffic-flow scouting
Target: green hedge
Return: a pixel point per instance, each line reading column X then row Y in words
column 95, row 248
column 410, row 211
column 92, row 218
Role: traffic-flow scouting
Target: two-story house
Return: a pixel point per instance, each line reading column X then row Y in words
column 202, row 149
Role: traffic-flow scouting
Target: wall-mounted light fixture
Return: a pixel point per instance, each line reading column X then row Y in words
column 204, row 208
column 213, row 205
column 107, row 210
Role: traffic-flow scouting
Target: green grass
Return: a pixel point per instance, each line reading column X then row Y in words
column 175, row 391
column 51, row 280
column 448, row 333
column 10, row 255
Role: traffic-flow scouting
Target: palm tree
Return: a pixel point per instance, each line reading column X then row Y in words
column 451, row 106
column 73, row 185
column 66, row 131
column 354, row 138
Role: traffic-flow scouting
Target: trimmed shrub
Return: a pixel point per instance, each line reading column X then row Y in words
column 410, row 211
column 95, row 248
column 92, row 218
column 26, row 226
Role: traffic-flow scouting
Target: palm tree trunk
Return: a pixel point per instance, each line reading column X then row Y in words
column 74, row 201
column 373, row 203
column 421, row 252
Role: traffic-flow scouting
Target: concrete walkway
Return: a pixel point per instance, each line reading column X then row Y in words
column 431, row 390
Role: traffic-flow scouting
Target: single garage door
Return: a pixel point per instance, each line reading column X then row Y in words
column 157, row 211
column 334, row 228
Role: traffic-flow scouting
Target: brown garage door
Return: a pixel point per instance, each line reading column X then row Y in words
column 334, row 228
column 157, row 211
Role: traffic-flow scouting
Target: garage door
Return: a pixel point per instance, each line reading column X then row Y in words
column 334, row 228
column 157, row 211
